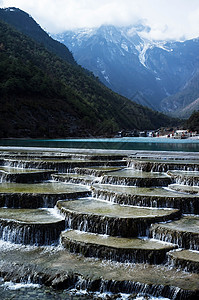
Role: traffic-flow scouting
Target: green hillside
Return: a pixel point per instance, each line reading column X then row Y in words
column 27, row 25
column 193, row 122
column 42, row 95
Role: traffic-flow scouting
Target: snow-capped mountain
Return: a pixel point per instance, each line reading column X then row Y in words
column 129, row 63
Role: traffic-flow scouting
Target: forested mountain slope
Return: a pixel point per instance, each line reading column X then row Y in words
column 27, row 25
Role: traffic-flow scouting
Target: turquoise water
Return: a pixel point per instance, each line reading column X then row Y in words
column 131, row 143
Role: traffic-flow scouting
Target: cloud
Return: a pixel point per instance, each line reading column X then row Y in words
column 171, row 19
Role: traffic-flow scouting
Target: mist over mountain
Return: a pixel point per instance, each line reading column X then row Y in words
column 130, row 64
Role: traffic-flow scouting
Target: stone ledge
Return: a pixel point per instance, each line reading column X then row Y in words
column 115, row 248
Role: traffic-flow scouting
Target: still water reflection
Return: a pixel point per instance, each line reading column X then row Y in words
column 133, row 143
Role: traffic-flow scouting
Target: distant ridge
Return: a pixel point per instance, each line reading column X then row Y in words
column 185, row 112
column 186, row 101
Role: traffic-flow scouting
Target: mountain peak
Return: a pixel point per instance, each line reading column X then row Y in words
column 12, row 9
column 15, row 10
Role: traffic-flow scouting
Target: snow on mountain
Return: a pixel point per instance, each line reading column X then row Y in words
column 127, row 38
column 127, row 62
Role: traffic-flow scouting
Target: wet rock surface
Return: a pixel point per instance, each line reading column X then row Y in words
column 193, row 190
column 116, row 249
column 63, row 270
column 46, row 194
column 75, row 178
column 185, row 259
column 147, row 197
column 131, row 177
column 34, row 227
column 21, row 176
column 101, row 217
column 151, row 165
column 184, row 232
column 190, row 178
column 60, row 165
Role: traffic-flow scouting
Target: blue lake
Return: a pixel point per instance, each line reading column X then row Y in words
column 131, row 143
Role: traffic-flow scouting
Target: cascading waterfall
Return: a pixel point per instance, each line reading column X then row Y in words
column 191, row 181
column 137, row 252
column 41, row 234
column 188, row 205
column 31, row 226
column 30, row 234
column 86, row 224
column 21, row 164
column 133, row 181
column 69, row 178
column 130, row 287
column 176, row 259
column 104, row 195
column 147, row 166
column 185, row 240
column 3, row 177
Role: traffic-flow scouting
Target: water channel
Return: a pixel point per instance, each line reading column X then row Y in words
column 99, row 220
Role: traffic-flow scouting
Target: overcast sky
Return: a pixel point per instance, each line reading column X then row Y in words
column 168, row 19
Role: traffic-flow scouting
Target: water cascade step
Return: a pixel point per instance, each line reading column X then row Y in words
column 24, row 175
column 75, row 178
column 185, row 188
column 164, row 156
column 183, row 232
column 36, row 154
column 185, row 177
column 20, row 195
column 115, row 248
column 147, row 197
column 60, row 165
column 102, row 217
column 186, row 260
column 96, row 171
column 34, row 227
column 136, row 178
column 155, row 165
